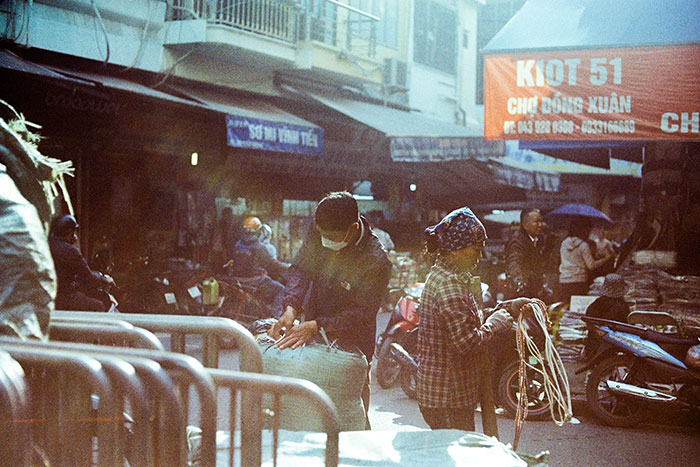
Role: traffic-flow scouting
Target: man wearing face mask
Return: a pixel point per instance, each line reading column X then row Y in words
column 345, row 271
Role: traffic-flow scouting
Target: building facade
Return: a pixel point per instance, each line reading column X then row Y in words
column 172, row 110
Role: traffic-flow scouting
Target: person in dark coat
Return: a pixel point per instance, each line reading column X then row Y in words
column 75, row 278
column 337, row 282
column 610, row 305
column 452, row 333
column 525, row 262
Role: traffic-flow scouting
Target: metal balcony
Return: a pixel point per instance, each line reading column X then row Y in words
column 287, row 20
column 272, row 18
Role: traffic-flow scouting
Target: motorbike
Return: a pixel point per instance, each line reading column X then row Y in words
column 407, row 363
column 635, row 367
column 404, row 319
column 505, row 371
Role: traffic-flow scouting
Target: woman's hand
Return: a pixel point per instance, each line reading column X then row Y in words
column 515, row 306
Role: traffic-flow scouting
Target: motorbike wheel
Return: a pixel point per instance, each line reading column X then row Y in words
column 388, row 368
column 408, row 382
column 611, row 409
column 508, row 392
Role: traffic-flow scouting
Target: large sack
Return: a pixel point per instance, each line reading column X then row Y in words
column 27, row 277
column 340, row 374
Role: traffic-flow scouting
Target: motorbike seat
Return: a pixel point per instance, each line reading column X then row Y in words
column 648, row 334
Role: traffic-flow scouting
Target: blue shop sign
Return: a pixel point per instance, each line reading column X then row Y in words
column 243, row 132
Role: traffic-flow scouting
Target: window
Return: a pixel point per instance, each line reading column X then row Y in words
column 386, row 29
column 435, row 36
column 322, row 18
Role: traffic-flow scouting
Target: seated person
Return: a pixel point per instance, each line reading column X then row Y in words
column 610, row 305
column 75, row 278
column 252, row 261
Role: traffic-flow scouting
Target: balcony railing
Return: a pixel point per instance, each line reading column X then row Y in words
column 286, row 20
column 271, row 18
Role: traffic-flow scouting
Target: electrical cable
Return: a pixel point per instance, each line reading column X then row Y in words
column 556, row 383
column 142, row 43
column 104, row 29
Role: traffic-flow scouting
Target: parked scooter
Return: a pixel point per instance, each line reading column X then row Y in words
column 408, row 363
column 635, row 367
column 403, row 320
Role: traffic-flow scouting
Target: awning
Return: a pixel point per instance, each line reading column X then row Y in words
column 595, row 153
column 250, row 122
column 594, row 70
column 254, row 123
column 514, row 173
column 91, row 81
column 414, row 137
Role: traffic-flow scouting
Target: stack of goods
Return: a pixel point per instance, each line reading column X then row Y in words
column 653, row 289
column 570, row 338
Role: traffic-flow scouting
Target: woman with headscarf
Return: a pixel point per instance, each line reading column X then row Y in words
column 452, row 333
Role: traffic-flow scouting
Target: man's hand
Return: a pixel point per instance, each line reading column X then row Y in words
column 285, row 322
column 514, row 306
column 298, row 335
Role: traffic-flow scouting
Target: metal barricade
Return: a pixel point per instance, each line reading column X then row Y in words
column 212, row 329
column 63, row 386
column 251, row 420
column 15, row 448
column 171, row 393
column 160, row 424
column 105, row 333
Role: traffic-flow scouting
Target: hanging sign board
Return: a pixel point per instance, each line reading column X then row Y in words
column 646, row 93
column 251, row 133
column 437, row 149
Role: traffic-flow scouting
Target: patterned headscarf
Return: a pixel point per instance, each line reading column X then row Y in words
column 459, row 229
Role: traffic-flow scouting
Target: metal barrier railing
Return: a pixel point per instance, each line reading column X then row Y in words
column 63, row 385
column 159, row 430
column 15, row 448
column 170, row 392
column 108, row 333
column 277, row 386
column 212, row 329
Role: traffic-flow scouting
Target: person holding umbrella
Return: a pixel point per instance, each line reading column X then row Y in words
column 577, row 262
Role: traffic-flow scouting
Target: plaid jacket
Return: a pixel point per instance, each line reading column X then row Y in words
column 451, row 337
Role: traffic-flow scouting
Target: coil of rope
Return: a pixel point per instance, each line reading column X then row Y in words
column 547, row 363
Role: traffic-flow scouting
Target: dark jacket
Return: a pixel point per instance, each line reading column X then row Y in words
column 345, row 288
column 615, row 309
column 72, row 271
column 252, row 258
column 525, row 267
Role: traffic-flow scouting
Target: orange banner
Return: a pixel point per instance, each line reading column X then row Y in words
column 608, row 94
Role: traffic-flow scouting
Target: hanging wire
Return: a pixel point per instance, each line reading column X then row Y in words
column 556, row 383
column 104, row 30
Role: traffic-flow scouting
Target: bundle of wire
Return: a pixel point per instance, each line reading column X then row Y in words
column 547, row 364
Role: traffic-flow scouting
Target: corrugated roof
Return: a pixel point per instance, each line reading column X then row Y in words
column 591, row 24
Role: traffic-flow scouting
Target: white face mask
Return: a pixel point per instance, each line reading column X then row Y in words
column 331, row 245
column 335, row 246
